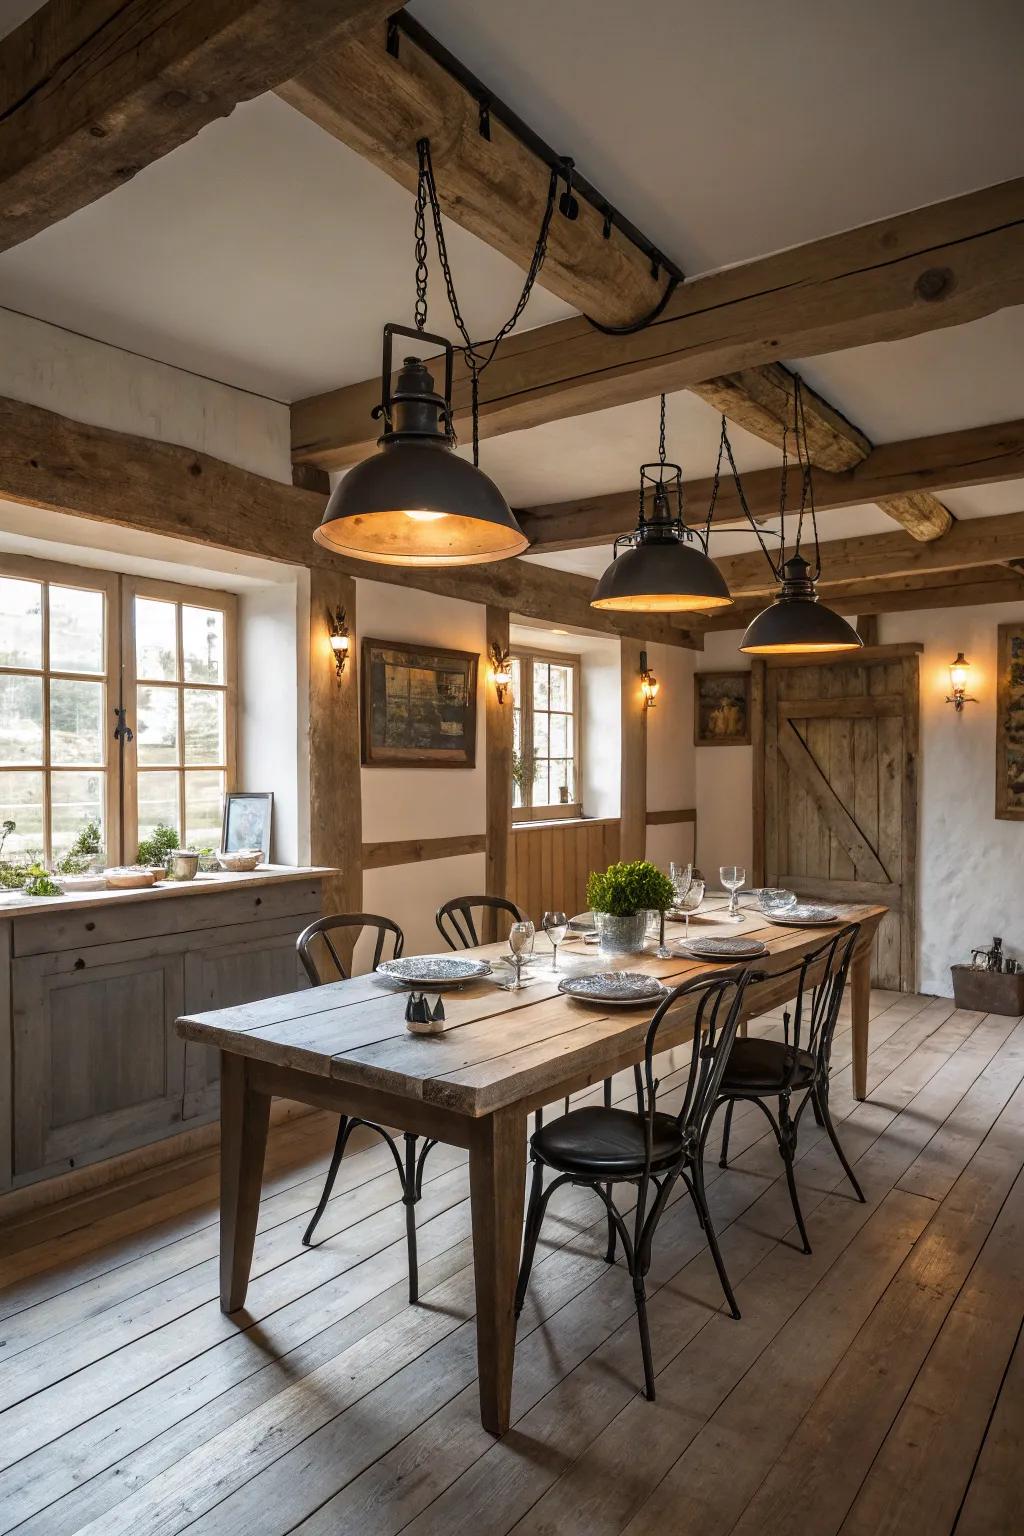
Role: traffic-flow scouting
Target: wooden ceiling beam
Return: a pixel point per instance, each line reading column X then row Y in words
column 49, row 461
column 920, row 271
column 90, row 93
column 945, row 589
column 380, row 105
column 949, row 460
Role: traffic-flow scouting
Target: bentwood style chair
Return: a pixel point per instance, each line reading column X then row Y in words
column 322, row 962
column 455, row 919
column 760, row 1069
column 598, row 1147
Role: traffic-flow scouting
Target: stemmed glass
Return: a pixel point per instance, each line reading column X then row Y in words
column 690, row 901
column 732, row 877
column 520, row 942
column 681, row 876
column 555, row 926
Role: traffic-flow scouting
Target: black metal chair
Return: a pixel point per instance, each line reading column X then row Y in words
column 455, row 919
column 759, row 1069
column 598, row 1147
column 317, row 937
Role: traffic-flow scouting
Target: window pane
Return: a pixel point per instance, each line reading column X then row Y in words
column 75, row 798
column 157, row 726
column 21, row 801
column 21, row 720
column 202, row 641
column 561, row 688
column 540, row 735
column 76, row 722
column 158, row 802
column 540, row 685
column 204, row 726
column 21, row 623
column 156, row 639
column 517, row 680
column 562, row 778
column 76, row 630
column 559, row 735
column 204, row 809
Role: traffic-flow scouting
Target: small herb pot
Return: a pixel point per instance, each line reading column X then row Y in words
column 621, row 935
column 183, row 864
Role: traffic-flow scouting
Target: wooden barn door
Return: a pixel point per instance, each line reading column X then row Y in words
column 835, row 788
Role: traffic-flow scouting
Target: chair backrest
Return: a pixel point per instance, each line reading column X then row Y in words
column 455, row 919
column 719, row 1006
column 316, row 940
column 822, row 973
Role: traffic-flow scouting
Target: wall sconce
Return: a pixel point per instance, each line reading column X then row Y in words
column 501, row 671
column 337, row 630
column 958, row 683
column 649, row 684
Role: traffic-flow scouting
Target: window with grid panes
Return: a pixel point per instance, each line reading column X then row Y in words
column 546, row 735
column 76, row 644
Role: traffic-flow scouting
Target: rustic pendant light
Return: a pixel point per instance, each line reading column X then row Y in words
column 665, row 566
column 416, row 503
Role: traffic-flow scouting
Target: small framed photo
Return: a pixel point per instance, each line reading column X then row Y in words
column 247, row 823
column 721, row 709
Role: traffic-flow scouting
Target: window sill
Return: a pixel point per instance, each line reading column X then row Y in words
column 563, row 821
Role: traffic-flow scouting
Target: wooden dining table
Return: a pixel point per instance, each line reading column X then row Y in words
column 345, row 1047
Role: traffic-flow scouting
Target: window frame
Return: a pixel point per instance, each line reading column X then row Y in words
column 189, row 597
column 526, row 659
column 56, row 573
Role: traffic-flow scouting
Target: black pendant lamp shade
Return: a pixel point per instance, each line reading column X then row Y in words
column 797, row 623
column 661, row 574
column 415, row 502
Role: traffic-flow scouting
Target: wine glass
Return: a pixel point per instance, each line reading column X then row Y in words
column 555, row 925
column 681, row 876
column 520, row 942
column 690, row 901
column 732, row 877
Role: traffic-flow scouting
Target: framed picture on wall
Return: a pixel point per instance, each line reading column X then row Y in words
column 418, row 706
column 1010, row 724
column 721, row 709
column 247, row 823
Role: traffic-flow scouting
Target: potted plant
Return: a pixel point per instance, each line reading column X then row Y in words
column 620, row 898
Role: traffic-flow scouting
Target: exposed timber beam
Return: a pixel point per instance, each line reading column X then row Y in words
column 941, row 589
column 91, row 93
column 49, row 461
column 875, row 557
column 937, row 266
column 381, row 104
column 974, row 456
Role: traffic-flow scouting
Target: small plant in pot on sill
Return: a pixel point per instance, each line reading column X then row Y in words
column 620, row 898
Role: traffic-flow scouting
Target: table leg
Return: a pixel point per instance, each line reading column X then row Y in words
column 244, row 1118
column 860, row 998
column 497, row 1184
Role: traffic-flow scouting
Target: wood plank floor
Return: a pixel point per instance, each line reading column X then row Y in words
column 874, row 1386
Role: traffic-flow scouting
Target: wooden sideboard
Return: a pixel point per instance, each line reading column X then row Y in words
column 90, row 986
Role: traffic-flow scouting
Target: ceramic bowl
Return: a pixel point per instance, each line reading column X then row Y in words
column 131, row 878
column 242, row 862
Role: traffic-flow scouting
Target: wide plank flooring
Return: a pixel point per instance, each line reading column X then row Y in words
column 875, row 1386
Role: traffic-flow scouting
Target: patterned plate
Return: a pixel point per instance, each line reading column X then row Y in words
column 720, row 949
column 433, row 971
column 805, row 915
column 621, row 989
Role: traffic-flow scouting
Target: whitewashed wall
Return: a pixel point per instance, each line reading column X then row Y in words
column 723, row 777
column 671, row 777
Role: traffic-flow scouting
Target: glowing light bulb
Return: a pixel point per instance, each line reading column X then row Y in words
column 421, row 515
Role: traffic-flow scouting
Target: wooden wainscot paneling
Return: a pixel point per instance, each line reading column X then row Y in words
column 550, row 861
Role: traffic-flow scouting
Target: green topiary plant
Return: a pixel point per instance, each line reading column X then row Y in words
column 625, row 889
column 39, row 883
column 82, row 852
column 154, row 850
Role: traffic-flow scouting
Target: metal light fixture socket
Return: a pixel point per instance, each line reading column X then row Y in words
column 337, row 632
column 501, row 671
column 958, row 696
column 796, row 623
column 415, row 502
column 664, row 566
column 649, row 685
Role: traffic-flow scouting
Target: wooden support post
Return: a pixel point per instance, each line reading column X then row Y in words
column 498, row 749
column 335, row 806
column 633, row 773
column 867, row 627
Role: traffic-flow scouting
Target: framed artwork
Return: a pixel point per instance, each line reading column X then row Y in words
column 247, row 823
column 1010, row 724
column 418, row 706
column 721, row 709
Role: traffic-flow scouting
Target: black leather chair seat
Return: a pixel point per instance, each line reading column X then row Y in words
column 595, row 1141
column 764, row 1065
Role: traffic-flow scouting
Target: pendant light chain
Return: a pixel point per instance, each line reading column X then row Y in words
column 477, row 357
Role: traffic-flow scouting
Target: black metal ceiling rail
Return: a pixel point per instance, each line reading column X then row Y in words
column 490, row 106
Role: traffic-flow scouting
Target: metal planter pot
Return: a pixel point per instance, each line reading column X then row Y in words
column 621, row 935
